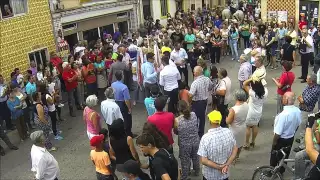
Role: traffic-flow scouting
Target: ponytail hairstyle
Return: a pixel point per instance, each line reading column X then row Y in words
column 184, row 109
column 161, row 140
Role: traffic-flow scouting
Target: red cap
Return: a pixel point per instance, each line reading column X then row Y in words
column 96, row 140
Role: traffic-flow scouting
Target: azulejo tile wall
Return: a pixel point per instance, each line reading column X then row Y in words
column 25, row 33
column 282, row 5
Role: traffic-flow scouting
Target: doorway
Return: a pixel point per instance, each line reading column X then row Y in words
column 72, row 40
column 310, row 10
column 123, row 27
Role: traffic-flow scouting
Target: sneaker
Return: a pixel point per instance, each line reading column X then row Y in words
column 53, row 149
column 57, row 137
column 232, row 59
column 60, row 105
column 134, row 103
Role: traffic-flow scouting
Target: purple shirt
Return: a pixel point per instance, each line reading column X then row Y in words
column 244, row 71
column 34, row 70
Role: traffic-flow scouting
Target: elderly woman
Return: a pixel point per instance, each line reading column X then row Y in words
column 284, row 83
column 186, row 126
column 41, row 119
column 42, row 167
column 245, row 70
column 237, row 118
column 257, row 96
column 92, row 118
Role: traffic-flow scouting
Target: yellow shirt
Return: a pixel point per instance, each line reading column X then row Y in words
column 294, row 37
column 101, row 160
column 164, row 49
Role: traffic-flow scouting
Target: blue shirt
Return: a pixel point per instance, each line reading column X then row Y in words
column 310, row 97
column 217, row 23
column 15, row 83
column 15, row 113
column 31, row 88
column 287, row 122
column 121, row 91
column 282, row 33
column 148, row 72
column 149, row 103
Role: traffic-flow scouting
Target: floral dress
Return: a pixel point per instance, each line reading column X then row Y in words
column 46, row 128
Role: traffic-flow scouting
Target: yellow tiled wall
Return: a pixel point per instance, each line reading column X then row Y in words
column 23, row 34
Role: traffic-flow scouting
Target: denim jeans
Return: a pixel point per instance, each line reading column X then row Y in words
column 300, row 164
column 73, row 98
column 134, row 91
column 234, row 49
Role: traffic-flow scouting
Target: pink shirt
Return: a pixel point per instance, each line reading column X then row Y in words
column 164, row 122
column 87, row 114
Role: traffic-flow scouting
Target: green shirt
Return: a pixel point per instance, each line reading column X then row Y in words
column 189, row 39
column 314, row 137
column 206, row 73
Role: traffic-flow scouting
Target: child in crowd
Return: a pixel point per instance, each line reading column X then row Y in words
column 100, row 158
column 54, row 91
column 106, row 146
column 184, row 93
column 214, row 78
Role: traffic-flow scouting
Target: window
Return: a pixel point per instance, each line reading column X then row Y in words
column 40, row 57
column 193, row 7
column 10, row 8
column 164, row 7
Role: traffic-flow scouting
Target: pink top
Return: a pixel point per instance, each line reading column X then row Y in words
column 87, row 113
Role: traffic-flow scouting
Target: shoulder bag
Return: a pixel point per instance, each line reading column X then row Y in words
column 286, row 86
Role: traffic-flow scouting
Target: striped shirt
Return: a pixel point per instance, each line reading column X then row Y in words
column 169, row 77
column 245, row 71
column 200, row 88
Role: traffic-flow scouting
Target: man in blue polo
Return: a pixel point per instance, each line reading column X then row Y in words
column 149, row 74
column 122, row 98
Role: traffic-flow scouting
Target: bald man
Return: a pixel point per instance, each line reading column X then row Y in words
column 285, row 126
column 199, row 92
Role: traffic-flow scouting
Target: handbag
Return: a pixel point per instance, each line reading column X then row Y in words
column 218, row 99
column 287, row 86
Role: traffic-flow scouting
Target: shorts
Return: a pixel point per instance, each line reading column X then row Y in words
column 273, row 50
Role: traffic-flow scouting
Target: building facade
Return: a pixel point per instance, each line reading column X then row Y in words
column 294, row 8
column 77, row 20
column 26, row 34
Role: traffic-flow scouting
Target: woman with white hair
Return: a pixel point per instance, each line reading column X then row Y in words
column 237, row 118
column 44, row 165
column 92, row 118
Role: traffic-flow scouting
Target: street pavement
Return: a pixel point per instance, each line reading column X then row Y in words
column 73, row 152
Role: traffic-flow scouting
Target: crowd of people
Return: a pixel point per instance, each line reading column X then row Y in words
column 112, row 72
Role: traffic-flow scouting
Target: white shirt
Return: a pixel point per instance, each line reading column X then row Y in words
column 44, row 164
column 134, row 76
column 40, row 76
column 169, row 77
column 110, row 111
column 52, row 107
column 115, row 47
column 287, row 122
column 310, row 41
column 20, row 80
column 179, row 56
column 225, row 84
column 51, row 87
column 312, row 31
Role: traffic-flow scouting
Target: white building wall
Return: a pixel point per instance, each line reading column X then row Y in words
column 156, row 10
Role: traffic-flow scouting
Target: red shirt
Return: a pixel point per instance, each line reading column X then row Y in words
column 67, row 74
column 302, row 23
column 164, row 122
column 286, row 78
column 89, row 75
column 56, row 61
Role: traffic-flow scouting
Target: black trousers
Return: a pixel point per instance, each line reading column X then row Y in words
column 223, row 110
column 246, row 41
column 5, row 114
column 199, row 107
column 127, row 118
column 173, row 95
column 215, row 54
column 275, row 157
column 305, row 58
column 103, row 176
column 53, row 117
column 147, row 89
column 253, row 69
column 4, row 138
column 184, row 71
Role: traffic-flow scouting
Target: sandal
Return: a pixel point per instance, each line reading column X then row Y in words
column 246, row 147
column 252, row 144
